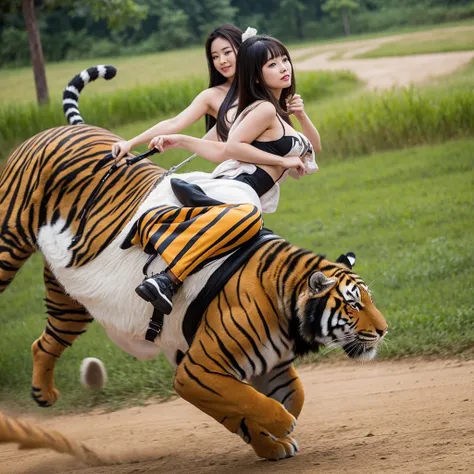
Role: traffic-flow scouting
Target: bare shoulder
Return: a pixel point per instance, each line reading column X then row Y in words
column 263, row 110
column 216, row 91
column 206, row 95
column 213, row 97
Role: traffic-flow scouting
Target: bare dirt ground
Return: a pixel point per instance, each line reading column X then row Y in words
column 383, row 73
column 412, row 416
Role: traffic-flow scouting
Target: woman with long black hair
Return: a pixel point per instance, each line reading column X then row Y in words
column 222, row 46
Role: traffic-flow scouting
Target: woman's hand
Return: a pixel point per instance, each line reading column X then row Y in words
column 120, row 149
column 296, row 105
column 295, row 163
column 165, row 142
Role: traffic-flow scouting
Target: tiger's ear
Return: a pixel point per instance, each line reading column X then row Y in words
column 320, row 284
column 349, row 260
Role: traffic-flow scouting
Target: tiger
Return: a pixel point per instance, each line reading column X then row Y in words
column 238, row 363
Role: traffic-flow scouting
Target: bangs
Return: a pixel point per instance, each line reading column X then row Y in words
column 265, row 48
column 275, row 49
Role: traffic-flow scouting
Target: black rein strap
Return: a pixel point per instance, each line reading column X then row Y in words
column 129, row 161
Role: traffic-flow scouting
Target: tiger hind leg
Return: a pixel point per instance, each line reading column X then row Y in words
column 67, row 320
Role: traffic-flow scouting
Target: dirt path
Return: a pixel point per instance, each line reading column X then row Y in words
column 383, row 73
column 398, row 417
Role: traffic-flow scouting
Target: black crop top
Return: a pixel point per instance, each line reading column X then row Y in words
column 287, row 145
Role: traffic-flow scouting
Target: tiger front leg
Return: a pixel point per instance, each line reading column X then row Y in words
column 67, row 319
column 236, row 405
column 283, row 384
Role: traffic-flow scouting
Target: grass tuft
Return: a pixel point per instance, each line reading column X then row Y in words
column 395, row 119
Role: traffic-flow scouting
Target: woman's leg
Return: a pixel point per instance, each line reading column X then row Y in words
column 187, row 237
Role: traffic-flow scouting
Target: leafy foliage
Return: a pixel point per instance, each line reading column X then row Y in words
column 71, row 30
column 336, row 6
column 118, row 13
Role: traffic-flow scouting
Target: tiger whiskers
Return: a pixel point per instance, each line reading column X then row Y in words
column 329, row 348
column 385, row 343
column 333, row 345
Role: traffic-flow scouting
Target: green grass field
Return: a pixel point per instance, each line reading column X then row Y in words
column 406, row 214
column 439, row 41
column 16, row 85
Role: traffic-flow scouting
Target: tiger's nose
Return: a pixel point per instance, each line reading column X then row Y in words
column 381, row 332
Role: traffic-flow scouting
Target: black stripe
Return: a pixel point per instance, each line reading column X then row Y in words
column 244, row 352
column 245, row 431
column 288, row 395
column 249, row 320
column 267, row 330
column 269, row 257
column 65, row 331
column 284, row 371
column 213, row 360
column 249, row 338
column 284, row 364
column 47, row 352
column 279, row 387
column 196, row 380
column 208, row 371
column 56, row 337
column 198, row 235
column 227, row 353
column 68, row 320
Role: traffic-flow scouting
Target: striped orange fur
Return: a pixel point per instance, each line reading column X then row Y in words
column 48, row 177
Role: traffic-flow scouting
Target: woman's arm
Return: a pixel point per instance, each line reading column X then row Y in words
column 296, row 107
column 197, row 109
column 216, row 151
column 252, row 126
column 237, row 147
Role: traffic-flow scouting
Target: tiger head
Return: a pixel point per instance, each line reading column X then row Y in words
column 336, row 308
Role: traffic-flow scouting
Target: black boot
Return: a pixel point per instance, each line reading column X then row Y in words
column 158, row 290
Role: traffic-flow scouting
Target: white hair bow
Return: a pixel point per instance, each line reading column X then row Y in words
column 249, row 32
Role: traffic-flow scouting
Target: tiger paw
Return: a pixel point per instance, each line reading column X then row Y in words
column 43, row 391
column 281, row 424
column 44, row 398
column 267, row 447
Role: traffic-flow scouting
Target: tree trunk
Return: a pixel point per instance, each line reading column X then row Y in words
column 36, row 51
column 345, row 19
column 299, row 24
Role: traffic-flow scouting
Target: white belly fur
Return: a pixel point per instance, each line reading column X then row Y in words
column 106, row 285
